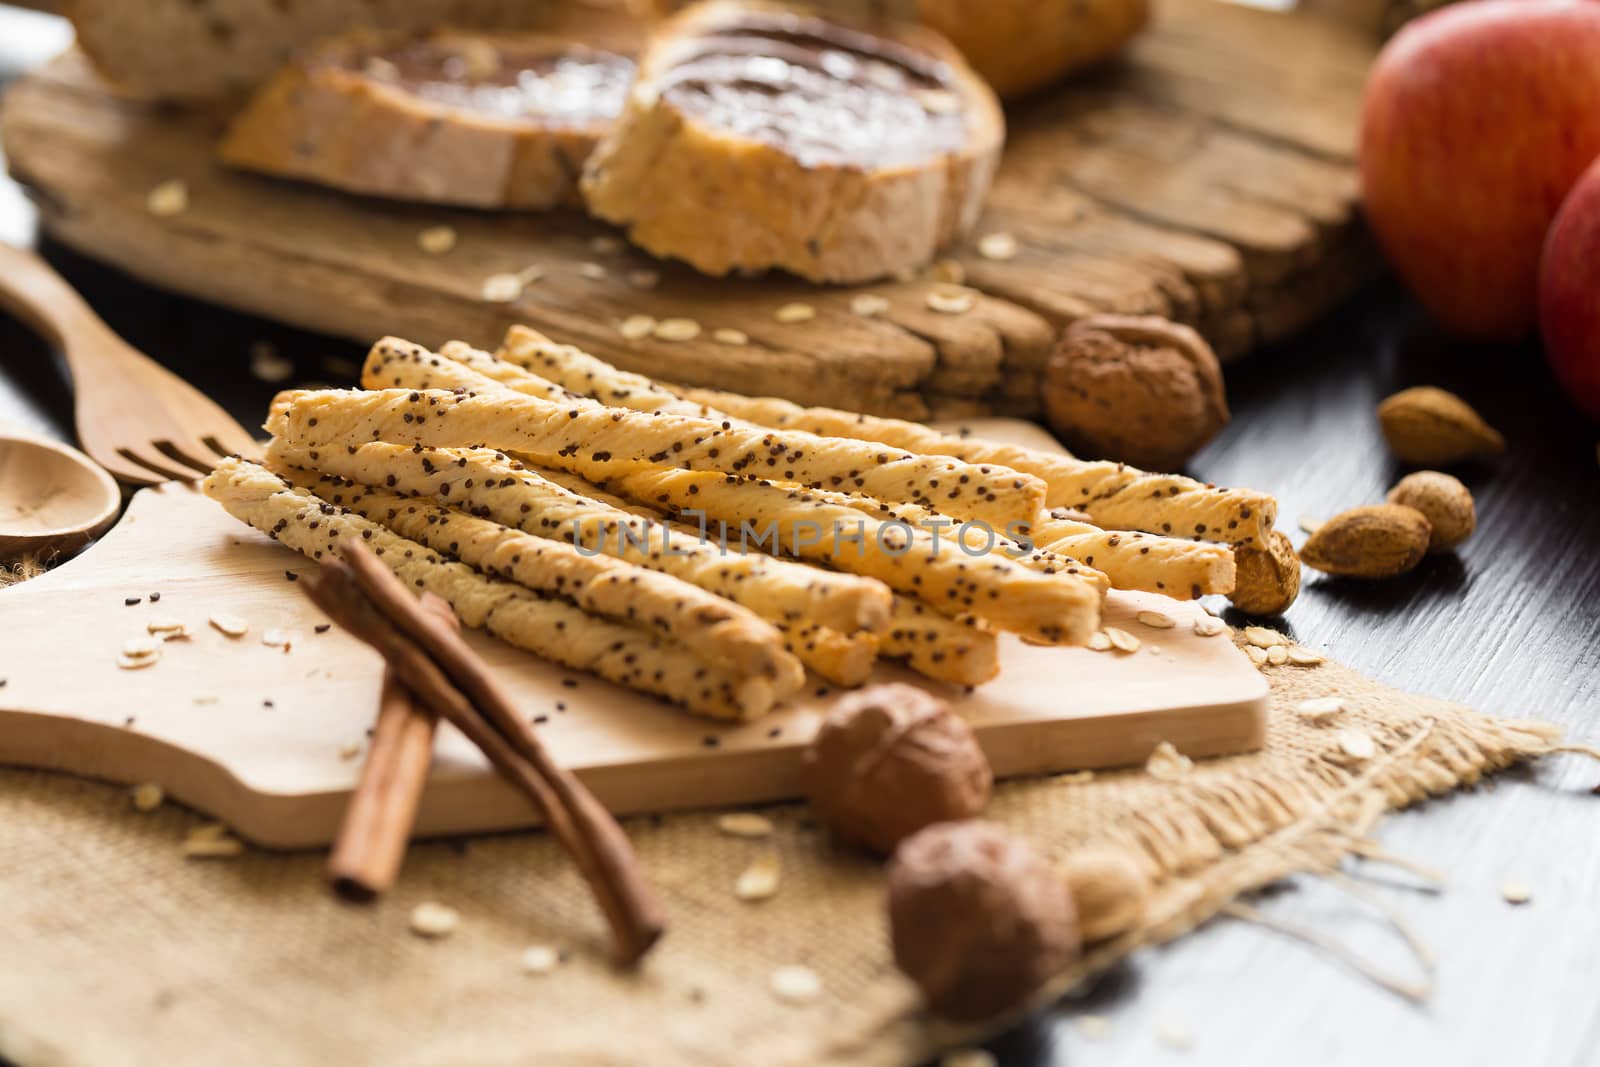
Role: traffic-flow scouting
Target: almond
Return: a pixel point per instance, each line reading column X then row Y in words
column 1266, row 582
column 1446, row 503
column 1430, row 426
column 1380, row 541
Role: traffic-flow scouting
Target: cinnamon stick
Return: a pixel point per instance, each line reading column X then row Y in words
column 377, row 822
column 364, row 597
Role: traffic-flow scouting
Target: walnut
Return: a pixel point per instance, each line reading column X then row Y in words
column 1266, row 583
column 890, row 760
column 1443, row 501
column 1142, row 390
column 978, row 919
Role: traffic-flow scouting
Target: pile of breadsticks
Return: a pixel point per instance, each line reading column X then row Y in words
column 708, row 548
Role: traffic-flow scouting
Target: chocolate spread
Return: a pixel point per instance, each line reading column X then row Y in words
column 825, row 93
column 535, row 81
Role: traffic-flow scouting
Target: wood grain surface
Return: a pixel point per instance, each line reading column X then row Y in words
column 1511, row 624
column 1206, row 176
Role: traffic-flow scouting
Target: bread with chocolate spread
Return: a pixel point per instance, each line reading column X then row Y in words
column 759, row 136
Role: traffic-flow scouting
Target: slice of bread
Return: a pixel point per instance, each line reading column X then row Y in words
column 762, row 136
column 475, row 120
column 193, row 49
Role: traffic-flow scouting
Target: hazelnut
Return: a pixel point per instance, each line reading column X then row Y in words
column 1110, row 890
column 1444, row 501
column 1143, row 390
column 977, row 919
column 890, row 760
column 1266, row 582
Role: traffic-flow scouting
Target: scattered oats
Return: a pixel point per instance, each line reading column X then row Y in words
column 730, row 337
column 1154, row 650
column 540, row 959
column 267, row 365
column 431, row 919
column 1099, row 642
column 677, row 330
column 231, row 625
column 1320, row 709
column 1075, row 778
column 1357, row 744
column 1167, row 763
column 211, row 841
column 1262, row 637
column 593, row 271
column 206, row 698
column 381, row 69
column 147, row 796
column 1209, row 626
column 759, row 881
column 139, row 647
column 1121, row 640
column 968, row 1057
column 502, row 288
column 1517, row 892
column 790, row 313
column 795, row 984
column 437, row 240
column 134, row 663
column 1156, row 620
column 869, row 305
column 605, row 245
column 938, row 101
column 1094, row 1027
column 1277, row 655
column 1258, row 656
column 169, row 198
column 644, row 279
column 636, row 327
column 350, row 749
column 745, row 824
column 1174, row 1035
column 949, row 271
column 277, row 639
column 1310, row 525
column 950, row 301
column 998, row 246
column 1304, row 657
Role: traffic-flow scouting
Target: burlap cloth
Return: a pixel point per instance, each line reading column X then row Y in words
column 114, row 949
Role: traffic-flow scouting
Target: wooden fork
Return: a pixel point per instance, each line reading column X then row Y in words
column 134, row 417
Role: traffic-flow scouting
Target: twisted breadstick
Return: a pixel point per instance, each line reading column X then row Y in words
column 519, row 415
column 552, row 629
column 962, row 651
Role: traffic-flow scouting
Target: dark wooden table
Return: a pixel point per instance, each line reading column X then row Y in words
column 1510, row 625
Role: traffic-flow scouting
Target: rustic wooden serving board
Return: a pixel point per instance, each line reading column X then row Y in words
column 262, row 738
column 1206, row 176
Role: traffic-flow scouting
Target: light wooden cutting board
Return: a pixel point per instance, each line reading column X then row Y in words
column 270, row 740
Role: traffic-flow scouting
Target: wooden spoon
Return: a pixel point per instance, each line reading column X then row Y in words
column 53, row 498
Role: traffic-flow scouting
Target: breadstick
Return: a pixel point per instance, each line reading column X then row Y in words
column 711, row 628
column 490, row 485
column 551, row 629
column 961, row 651
column 1183, row 570
column 506, row 418
column 1053, row 608
column 843, row 659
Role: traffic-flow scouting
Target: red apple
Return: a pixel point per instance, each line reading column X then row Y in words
column 1476, row 121
column 1569, row 293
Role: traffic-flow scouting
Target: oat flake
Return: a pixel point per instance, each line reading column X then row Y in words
column 593, row 271
column 231, row 625
column 795, row 984
column 1168, row 764
column 636, row 327
column 1516, row 892
column 539, row 959
column 1277, row 655
column 1304, row 657
column 433, row 920
column 437, row 240
column 1261, row 637
column 1357, row 744
column 1320, row 709
column 792, row 313
column 950, row 303
column 1121, row 640
column 745, row 824
column 1156, row 620
column 147, row 796
column 760, row 880
column 169, row 198
column 869, row 305
column 677, row 330
column 997, row 246
column 730, row 337
column 1209, row 626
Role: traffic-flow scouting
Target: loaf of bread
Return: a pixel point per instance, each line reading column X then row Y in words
column 759, row 136
column 192, row 49
column 475, row 120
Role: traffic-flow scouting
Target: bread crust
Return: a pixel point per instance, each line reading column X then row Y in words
column 321, row 120
column 724, row 203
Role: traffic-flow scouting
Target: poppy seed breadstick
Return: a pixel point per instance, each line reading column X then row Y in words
column 843, row 659
column 1184, row 570
column 551, row 629
column 962, row 651
column 490, row 485
column 711, row 628
column 496, row 414
column 1052, row 608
